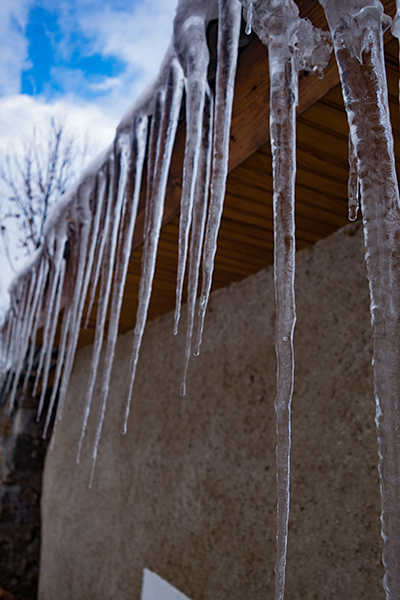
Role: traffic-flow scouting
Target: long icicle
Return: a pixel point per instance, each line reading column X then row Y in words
column 199, row 220
column 293, row 44
column 103, row 226
column 140, row 125
column 169, row 101
column 6, row 334
column 38, row 309
column 23, row 337
column 229, row 20
column 79, row 269
column 353, row 184
column 99, row 211
column 14, row 347
column 60, row 361
column 357, row 32
column 123, row 156
column 49, row 353
column 396, row 30
column 56, row 262
column 62, row 348
column 283, row 102
column 191, row 46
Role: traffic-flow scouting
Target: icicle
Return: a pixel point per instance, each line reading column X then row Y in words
column 60, row 361
column 249, row 18
column 18, row 310
column 41, row 269
column 37, row 312
column 192, row 50
column 98, row 258
column 125, row 247
column 357, row 29
column 47, row 342
column 123, row 153
column 15, row 342
column 199, row 219
column 229, row 20
column 168, row 101
column 22, row 340
column 5, row 342
column 353, row 185
column 81, row 277
column 293, row 44
column 8, row 339
column 396, row 29
column 78, row 303
column 49, row 354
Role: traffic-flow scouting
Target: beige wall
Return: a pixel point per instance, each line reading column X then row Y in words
column 189, row 492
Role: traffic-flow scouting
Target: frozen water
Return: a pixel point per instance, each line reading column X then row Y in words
column 293, row 44
column 57, row 265
column 37, row 308
column 140, row 125
column 229, row 14
column 357, row 30
column 199, row 220
column 162, row 137
column 80, row 214
column 118, row 201
column 192, row 51
column 60, row 361
column 354, row 184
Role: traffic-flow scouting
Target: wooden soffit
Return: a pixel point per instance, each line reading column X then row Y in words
column 245, row 243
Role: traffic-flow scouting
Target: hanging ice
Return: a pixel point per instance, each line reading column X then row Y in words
column 396, row 28
column 293, row 44
column 162, row 137
column 80, row 217
column 55, row 281
column 354, row 184
column 229, row 19
column 139, row 138
column 36, row 312
column 117, row 198
column 21, row 340
column 199, row 220
column 357, row 29
column 191, row 47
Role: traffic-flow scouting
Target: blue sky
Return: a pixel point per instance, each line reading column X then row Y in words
column 60, row 63
column 86, row 60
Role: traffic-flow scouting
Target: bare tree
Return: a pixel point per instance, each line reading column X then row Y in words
column 35, row 180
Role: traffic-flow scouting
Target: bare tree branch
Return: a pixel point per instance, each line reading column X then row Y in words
column 35, row 179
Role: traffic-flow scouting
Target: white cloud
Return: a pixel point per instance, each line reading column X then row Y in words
column 138, row 38
column 19, row 112
column 13, row 44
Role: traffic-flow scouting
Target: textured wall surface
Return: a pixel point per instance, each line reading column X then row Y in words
column 189, row 492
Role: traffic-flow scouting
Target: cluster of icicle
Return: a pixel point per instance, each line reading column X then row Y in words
column 88, row 241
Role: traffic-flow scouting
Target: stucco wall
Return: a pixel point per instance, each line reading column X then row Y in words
column 189, row 492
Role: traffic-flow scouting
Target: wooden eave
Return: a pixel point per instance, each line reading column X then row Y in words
column 245, row 243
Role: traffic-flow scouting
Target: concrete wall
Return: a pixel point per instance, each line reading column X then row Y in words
column 189, row 492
